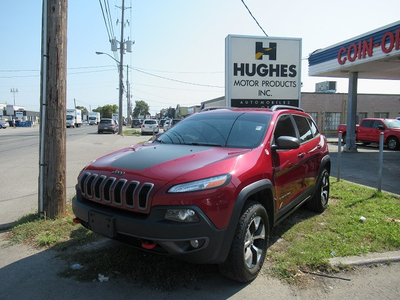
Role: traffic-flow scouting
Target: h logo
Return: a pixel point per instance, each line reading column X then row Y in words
column 270, row 51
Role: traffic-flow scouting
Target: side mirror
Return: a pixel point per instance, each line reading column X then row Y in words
column 286, row 142
column 380, row 127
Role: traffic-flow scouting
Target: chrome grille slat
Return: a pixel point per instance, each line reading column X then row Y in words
column 106, row 190
column 115, row 192
column 144, row 192
column 129, row 195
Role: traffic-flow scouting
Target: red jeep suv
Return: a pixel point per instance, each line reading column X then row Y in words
column 210, row 189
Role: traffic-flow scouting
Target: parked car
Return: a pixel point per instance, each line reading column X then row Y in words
column 161, row 123
column 369, row 130
column 167, row 125
column 209, row 189
column 136, row 123
column 175, row 121
column 107, row 125
column 4, row 124
column 150, row 126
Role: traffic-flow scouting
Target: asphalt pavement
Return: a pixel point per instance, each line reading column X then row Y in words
column 362, row 167
column 28, row 273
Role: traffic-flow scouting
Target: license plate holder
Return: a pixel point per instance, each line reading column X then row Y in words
column 102, row 223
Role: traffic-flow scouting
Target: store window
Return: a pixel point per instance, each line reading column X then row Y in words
column 383, row 115
column 332, row 120
column 360, row 116
column 314, row 116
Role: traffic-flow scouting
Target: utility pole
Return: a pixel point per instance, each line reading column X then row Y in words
column 128, row 97
column 13, row 90
column 52, row 158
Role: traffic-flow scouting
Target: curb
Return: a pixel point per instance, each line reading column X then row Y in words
column 367, row 259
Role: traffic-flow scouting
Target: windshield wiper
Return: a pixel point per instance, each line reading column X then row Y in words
column 203, row 144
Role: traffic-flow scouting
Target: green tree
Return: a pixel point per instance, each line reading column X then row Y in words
column 106, row 111
column 141, row 109
column 83, row 109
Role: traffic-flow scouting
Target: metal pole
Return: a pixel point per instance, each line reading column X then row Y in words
column 380, row 162
column 339, row 155
column 43, row 107
column 121, row 70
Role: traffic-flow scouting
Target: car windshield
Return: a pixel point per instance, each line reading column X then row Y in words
column 234, row 130
column 69, row 117
column 392, row 123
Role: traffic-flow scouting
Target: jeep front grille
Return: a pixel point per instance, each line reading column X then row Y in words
column 116, row 192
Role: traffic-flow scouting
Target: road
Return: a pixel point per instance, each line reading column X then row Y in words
column 19, row 150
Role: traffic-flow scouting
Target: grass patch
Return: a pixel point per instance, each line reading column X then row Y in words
column 59, row 233
column 132, row 131
column 358, row 220
column 302, row 243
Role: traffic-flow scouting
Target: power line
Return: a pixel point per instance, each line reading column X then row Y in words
column 105, row 22
column 176, row 80
column 254, row 18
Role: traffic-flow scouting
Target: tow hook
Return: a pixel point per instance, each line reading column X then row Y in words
column 77, row 221
column 148, row 245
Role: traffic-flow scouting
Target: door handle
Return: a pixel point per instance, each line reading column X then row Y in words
column 301, row 155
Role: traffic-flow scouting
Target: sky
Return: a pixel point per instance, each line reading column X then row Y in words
column 179, row 51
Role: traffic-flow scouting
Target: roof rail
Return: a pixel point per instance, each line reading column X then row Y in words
column 278, row 107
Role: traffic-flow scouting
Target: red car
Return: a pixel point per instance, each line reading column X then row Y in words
column 210, row 189
column 370, row 129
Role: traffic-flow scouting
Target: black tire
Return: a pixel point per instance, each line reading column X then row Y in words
column 98, row 132
column 249, row 245
column 319, row 202
column 392, row 143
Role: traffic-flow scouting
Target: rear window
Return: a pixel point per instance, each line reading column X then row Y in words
column 105, row 121
column 150, row 122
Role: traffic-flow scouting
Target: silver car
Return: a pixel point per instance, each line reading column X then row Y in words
column 3, row 124
column 150, row 126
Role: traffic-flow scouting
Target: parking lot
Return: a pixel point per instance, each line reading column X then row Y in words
column 362, row 167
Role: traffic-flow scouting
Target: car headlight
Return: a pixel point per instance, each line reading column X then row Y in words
column 201, row 185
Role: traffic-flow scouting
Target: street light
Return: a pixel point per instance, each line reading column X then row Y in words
column 121, row 87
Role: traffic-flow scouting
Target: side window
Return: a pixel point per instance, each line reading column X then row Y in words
column 304, row 128
column 284, row 127
column 377, row 124
column 314, row 128
column 367, row 123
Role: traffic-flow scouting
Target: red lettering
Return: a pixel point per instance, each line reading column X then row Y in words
column 391, row 42
column 367, row 48
column 359, row 50
column 352, row 52
column 397, row 39
column 341, row 60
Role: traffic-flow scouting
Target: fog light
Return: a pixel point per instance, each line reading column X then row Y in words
column 181, row 215
column 194, row 243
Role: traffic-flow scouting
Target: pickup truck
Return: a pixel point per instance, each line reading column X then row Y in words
column 369, row 129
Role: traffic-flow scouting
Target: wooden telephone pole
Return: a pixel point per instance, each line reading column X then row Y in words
column 52, row 160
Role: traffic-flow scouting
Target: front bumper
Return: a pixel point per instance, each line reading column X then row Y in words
column 199, row 242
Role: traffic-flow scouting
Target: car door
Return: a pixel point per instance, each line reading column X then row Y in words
column 311, row 146
column 288, row 166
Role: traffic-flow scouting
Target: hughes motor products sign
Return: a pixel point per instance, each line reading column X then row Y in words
column 262, row 71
